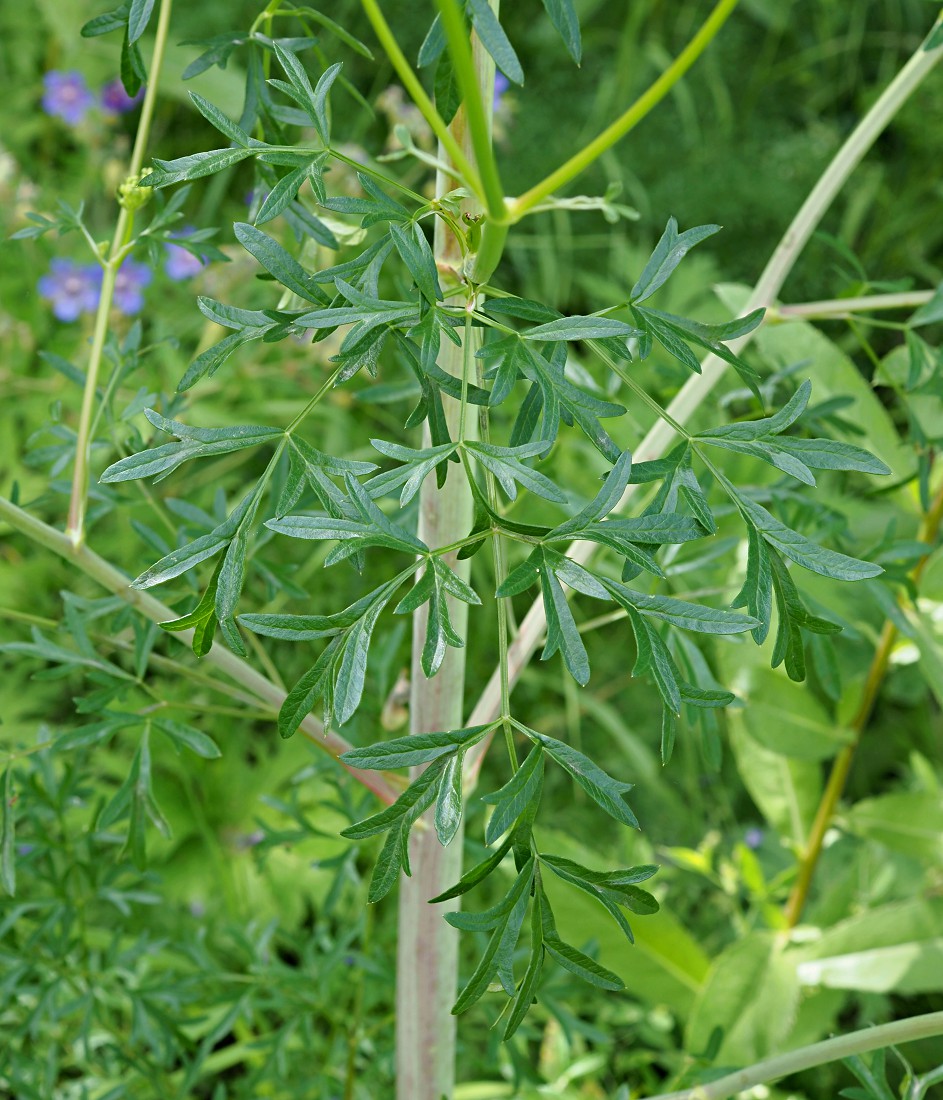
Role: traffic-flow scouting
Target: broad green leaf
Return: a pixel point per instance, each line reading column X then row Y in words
column 930, row 312
column 599, row 785
column 904, row 821
column 495, row 41
column 669, row 252
column 787, row 719
column 752, row 993
column 416, row 748
column 786, row 790
column 903, row 968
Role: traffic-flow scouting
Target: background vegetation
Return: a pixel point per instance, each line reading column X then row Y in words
column 242, row 962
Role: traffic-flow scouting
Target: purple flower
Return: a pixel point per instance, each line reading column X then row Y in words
column 66, row 96
column 501, row 85
column 116, row 101
column 72, row 288
column 753, row 838
column 181, row 264
column 131, row 280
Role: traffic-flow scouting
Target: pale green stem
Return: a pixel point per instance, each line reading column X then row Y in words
column 818, row 1054
column 427, row 947
column 695, row 391
column 75, row 524
column 451, row 149
column 613, row 133
column 112, row 579
column 837, row 309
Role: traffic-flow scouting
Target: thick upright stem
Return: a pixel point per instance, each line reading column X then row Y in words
column 427, row 961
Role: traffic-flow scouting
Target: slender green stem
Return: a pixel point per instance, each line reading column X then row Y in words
column 476, row 118
column 695, row 391
column 613, row 133
column 75, row 525
column 818, row 1054
column 105, row 574
column 411, row 82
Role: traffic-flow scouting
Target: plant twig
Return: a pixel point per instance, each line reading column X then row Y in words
column 818, row 1054
column 840, row 308
column 78, row 500
column 695, row 391
column 241, row 671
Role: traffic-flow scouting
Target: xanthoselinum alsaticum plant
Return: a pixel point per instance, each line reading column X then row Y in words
column 511, row 353
column 405, row 287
